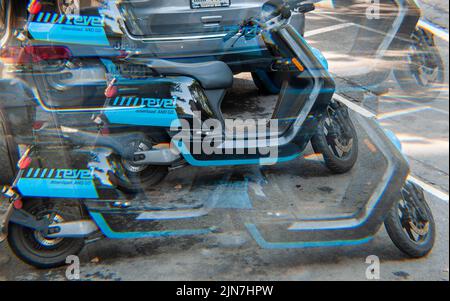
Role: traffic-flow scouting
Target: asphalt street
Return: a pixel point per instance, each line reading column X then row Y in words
column 423, row 128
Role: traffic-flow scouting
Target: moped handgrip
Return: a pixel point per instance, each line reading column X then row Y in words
column 285, row 8
column 304, row 7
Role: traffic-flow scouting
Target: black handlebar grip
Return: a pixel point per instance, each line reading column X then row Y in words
column 306, row 7
column 295, row 3
column 281, row 6
column 285, row 12
column 277, row 3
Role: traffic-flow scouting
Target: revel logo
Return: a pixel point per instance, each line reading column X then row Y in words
column 64, row 174
column 77, row 20
column 153, row 103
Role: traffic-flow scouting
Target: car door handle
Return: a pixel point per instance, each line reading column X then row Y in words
column 211, row 19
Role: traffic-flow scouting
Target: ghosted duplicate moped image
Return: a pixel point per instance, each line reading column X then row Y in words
column 395, row 38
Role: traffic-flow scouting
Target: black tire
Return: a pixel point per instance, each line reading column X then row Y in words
column 401, row 239
column 268, row 83
column 408, row 77
column 58, row 6
column 149, row 177
column 334, row 163
column 71, row 97
column 142, row 178
column 27, row 243
column 6, row 164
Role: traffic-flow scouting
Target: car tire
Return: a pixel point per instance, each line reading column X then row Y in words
column 58, row 6
column 6, row 167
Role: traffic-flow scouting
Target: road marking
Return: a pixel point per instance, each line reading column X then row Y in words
column 327, row 29
column 367, row 113
column 326, row 15
column 439, row 110
column 324, row 3
column 430, row 189
column 438, row 32
column 354, row 107
column 409, row 99
column 427, row 187
column 401, row 112
column 411, row 139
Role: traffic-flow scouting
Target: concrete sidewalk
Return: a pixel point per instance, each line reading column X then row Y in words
column 435, row 11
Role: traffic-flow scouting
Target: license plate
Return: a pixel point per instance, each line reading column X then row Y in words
column 209, row 3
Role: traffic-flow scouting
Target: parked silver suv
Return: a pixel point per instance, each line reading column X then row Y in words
column 186, row 29
column 194, row 28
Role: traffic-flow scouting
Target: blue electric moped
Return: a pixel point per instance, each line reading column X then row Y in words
column 75, row 185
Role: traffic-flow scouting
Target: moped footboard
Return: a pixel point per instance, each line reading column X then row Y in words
column 348, row 210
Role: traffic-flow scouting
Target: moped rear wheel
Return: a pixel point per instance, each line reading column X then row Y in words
column 33, row 247
column 142, row 176
column 410, row 223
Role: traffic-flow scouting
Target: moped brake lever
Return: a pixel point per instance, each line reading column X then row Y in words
column 231, row 34
column 242, row 29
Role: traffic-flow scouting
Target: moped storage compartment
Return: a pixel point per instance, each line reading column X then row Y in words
column 59, row 173
column 158, row 101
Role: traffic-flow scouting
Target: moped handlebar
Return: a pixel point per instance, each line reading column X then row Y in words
column 272, row 9
column 285, row 7
column 304, row 7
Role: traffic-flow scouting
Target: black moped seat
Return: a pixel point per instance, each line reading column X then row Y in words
column 211, row 75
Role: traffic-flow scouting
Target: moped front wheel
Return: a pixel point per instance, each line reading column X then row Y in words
column 422, row 75
column 410, row 223
column 336, row 141
column 34, row 247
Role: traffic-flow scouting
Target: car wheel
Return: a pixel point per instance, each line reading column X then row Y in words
column 6, row 164
column 68, row 7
